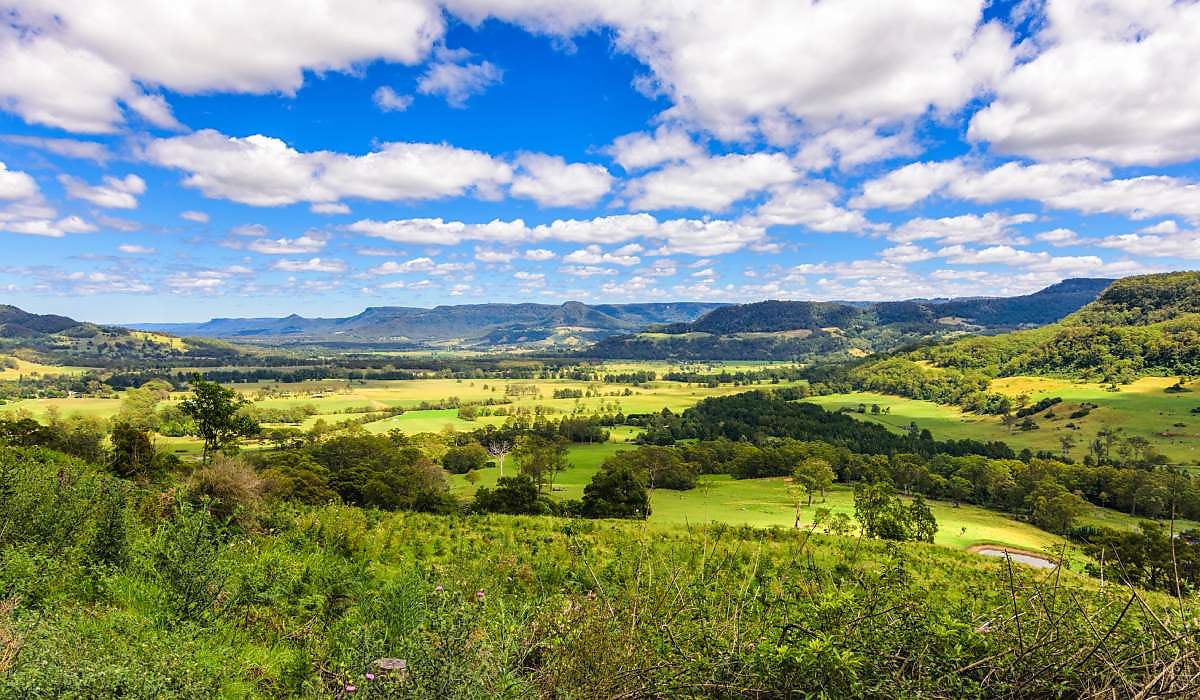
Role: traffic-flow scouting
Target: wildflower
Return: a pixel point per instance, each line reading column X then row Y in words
column 370, row 676
column 438, row 589
column 350, row 689
column 479, row 595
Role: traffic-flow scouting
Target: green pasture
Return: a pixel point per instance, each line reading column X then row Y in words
column 25, row 368
column 1143, row 408
column 584, row 461
column 83, row 406
column 771, row 503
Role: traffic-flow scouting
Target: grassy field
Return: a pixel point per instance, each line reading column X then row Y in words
column 584, row 461
column 1142, row 408
column 25, row 369
column 332, row 399
column 772, row 502
column 83, row 406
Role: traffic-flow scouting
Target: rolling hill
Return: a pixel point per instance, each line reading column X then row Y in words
column 808, row 329
column 467, row 326
column 1139, row 326
column 65, row 341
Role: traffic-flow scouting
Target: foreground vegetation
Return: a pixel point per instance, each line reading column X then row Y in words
column 150, row 595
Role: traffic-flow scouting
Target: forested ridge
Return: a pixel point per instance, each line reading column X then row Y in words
column 1139, row 326
column 820, row 331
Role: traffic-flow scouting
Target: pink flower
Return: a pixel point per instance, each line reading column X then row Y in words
column 438, row 589
column 370, row 676
column 350, row 689
column 479, row 595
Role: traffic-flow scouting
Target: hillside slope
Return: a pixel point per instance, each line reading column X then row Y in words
column 808, row 329
column 63, row 340
column 1144, row 325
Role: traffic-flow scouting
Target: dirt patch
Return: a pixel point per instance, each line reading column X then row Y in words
column 1037, row 561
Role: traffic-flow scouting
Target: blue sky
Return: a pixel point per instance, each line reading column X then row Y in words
column 169, row 161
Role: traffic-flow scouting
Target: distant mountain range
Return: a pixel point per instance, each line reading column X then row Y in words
column 805, row 329
column 681, row 330
column 572, row 324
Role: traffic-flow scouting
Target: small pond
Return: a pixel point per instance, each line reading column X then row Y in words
column 1034, row 560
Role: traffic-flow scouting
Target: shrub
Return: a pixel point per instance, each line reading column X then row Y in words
column 513, row 495
column 228, row 488
column 460, row 460
column 618, row 492
column 184, row 557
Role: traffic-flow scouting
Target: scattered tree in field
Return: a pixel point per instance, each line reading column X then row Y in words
column 661, row 467
column 498, row 446
column 513, row 495
column 139, row 406
column 814, row 475
column 217, row 414
column 541, row 458
column 465, row 458
column 1052, row 507
column 616, row 493
column 881, row 514
column 1066, row 442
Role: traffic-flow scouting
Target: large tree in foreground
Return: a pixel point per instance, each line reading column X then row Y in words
column 216, row 412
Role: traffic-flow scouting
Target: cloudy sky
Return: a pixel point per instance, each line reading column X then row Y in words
column 187, row 159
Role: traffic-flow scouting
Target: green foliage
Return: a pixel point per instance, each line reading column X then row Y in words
column 759, row 416
column 618, row 492
column 378, row 471
column 814, row 475
column 184, row 558
column 46, row 498
column 658, row 467
column 460, row 460
column 513, row 495
column 217, row 414
column 108, row 541
column 1150, row 557
column 133, row 453
column 77, row 436
column 503, row 606
column 540, row 458
column 881, row 514
column 139, row 405
column 296, row 476
column 1052, row 507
